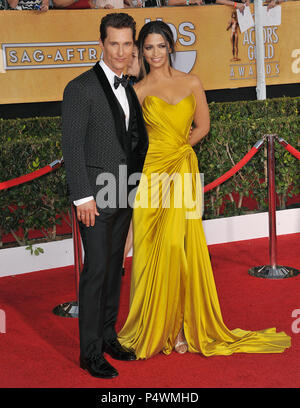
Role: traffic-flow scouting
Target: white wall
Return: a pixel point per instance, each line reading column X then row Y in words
column 15, row 261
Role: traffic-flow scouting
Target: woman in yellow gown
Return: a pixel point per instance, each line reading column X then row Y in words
column 173, row 298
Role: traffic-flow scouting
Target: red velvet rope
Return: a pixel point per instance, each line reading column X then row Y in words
column 30, row 176
column 47, row 169
column 57, row 163
column 233, row 170
column 289, row 148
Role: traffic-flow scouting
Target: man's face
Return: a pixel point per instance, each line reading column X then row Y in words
column 117, row 48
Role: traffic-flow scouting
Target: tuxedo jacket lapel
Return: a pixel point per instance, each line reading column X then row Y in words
column 131, row 107
column 114, row 104
column 143, row 136
column 119, row 116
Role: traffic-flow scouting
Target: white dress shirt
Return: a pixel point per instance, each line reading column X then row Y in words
column 122, row 98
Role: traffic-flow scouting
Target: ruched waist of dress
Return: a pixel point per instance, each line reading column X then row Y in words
column 168, row 157
column 165, row 149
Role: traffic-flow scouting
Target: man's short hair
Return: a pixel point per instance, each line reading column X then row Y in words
column 117, row 20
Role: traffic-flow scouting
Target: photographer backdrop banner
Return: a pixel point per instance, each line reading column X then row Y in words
column 41, row 52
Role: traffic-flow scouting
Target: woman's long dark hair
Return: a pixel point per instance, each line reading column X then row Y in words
column 154, row 27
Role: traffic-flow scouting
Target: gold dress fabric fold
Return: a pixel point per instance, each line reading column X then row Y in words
column 172, row 283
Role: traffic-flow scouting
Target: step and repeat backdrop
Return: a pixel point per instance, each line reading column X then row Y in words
column 41, row 52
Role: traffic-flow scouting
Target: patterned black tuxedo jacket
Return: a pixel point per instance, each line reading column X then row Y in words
column 94, row 136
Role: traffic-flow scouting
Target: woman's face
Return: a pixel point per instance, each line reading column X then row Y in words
column 156, row 51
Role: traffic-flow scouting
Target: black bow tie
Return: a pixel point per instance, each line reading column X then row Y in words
column 118, row 81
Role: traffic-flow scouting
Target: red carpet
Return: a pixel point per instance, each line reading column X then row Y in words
column 40, row 349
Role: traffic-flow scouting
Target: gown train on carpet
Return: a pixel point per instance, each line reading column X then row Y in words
column 172, row 283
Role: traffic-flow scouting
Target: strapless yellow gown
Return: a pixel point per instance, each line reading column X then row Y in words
column 172, row 283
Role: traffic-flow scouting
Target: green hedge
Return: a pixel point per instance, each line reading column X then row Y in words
column 271, row 108
column 226, row 145
column 39, row 204
column 29, row 144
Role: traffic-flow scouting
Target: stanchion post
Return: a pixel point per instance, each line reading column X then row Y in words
column 70, row 309
column 272, row 271
column 272, row 202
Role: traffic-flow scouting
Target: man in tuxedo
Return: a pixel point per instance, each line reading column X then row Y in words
column 103, row 132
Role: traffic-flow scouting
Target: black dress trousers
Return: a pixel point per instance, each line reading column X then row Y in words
column 100, row 280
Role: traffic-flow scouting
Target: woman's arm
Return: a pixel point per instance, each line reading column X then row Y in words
column 229, row 25
column 45, row 5
column 183, row 2
column 201, row 117
column 13, row 3
column 237, row 5
column 63, row 3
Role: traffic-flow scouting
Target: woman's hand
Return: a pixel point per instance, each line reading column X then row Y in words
column 240, row 6
column 271, row 4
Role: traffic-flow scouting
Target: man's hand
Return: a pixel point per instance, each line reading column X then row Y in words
column 86, row 213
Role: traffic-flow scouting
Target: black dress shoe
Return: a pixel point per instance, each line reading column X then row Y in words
column 98, row 367
column 116, row 351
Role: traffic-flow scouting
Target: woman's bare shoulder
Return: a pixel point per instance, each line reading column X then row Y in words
column 190, row 79
column 178, row 74
column 140, row 83
column 194, row 80
column 139, row 86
